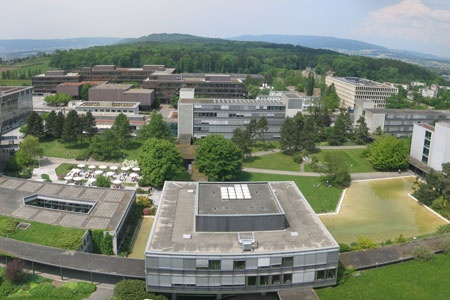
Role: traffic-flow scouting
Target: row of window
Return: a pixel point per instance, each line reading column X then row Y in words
column 241, row 264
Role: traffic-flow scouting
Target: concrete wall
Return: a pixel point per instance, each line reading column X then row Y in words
column 185, row 118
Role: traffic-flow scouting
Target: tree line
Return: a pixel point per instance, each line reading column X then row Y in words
column 220, row 56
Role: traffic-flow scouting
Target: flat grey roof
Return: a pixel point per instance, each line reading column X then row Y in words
column 175, row 219
column 408, row 111
column 113, row 86
column 261, row 200
column 233, row 101
column 360, row 81
column 106, row 214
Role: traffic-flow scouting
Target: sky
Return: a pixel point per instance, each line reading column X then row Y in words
column 417, row 25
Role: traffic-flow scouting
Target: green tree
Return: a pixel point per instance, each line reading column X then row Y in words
column 337, row 170
column 338, row 134
column 84, row 94
column 89, row 125
column 104, row 146
column 72, row 129
column 241, row 137
column 362, row 135
column 310, row 84
column 60, row 99
column 59, row 124
column 159, row 161
column 51, row 125
column 219, row 158
column 103, row 181
column 156, row 128
column 297, row 134
column 122, row 129
column 29, row 151
column 174, row 101
column 388, row 153
column 35, row 125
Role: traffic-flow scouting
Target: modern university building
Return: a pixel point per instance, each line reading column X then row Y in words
column 235, row 238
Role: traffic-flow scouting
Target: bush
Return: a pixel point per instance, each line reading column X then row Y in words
column 422, row 253
column 83, row 288
column 345, row 248
column 132, row 289
column 446, row 245
column 14, row 271
column 366, row 243
column 6, row 288
column 443, row 229
column 44, row 290
column 144, row 201
column 400, row 239
column 297, row 157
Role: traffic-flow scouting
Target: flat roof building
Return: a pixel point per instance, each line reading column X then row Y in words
column 353, row 89
column 200, row 117
column 16, row 103
column 237, row 237
column 68, row 205
column 430, row 146
column 46, row 83
column 400, row 122
column 120, row 92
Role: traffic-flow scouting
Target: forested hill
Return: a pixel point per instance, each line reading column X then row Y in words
column 195, row 54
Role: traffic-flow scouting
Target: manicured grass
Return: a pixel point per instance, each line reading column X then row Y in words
column 275, row 161
column 63, row 169
column 352, row 157
column 408, row 280
column 54, row 148
column 42, row 234
column 321, row 198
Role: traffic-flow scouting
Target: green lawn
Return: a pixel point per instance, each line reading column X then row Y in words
column 408, row 280
column 321, row 198
column 351, row 156
column 275, row 161
column 54, row 148
column 42, row 234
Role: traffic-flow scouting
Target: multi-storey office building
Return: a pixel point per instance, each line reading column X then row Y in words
column 16, row 103
column 201, row 117
column 121, row 92
column 47, row 82
column 400, row 122
column 430, row 146
column 353, row 89
column 235, row 238
column 119, row 75
column 205, row 85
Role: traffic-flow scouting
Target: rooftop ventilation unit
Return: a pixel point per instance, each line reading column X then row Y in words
column 247, row 241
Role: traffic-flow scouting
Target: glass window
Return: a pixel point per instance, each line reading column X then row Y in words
column 275, row 279
column 239, row 265
column 325, row 274
column 287, row 278
column 251, row 280
column 287, row 262
column 263, row 280
column 214, row 265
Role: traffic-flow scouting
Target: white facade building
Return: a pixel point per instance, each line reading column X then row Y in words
column 223, row 238
column 430, row 145
column 353, row 89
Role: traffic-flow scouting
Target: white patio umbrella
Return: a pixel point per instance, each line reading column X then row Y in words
column 134, row 175
column 68, row 178
column 81, row 166
column 98, row 172
column 78, row 178
column 117, row 182
column 76, row 170
column 125, row 168
column 92, row 167
column 136, row 169
column 102, row 167
column 113, row 168
column 109, row 174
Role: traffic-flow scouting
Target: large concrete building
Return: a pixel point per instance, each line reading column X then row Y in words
column 16, row 103
column 205, row 85
column 120, row 75
column 236, row 238
column 400, row 122
column 46, row 83
column 69, row 206
column 430, row 146
column 200, row 117
column 353, row 89
column 121, row 92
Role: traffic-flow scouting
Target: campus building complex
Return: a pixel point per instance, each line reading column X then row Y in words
column 16, row 103
column 353, row 89
column 205, row 85
column 430, row 146
column 121, row 92
column 234, row 238
column 156, row 77
column 69, row 206
column 201, row 117
column 400, row 122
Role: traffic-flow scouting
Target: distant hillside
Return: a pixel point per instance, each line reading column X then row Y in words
column 25, row 47
column 170, row 38
column 347, row 46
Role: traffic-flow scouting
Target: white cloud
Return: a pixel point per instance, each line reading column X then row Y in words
column 412, row 21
